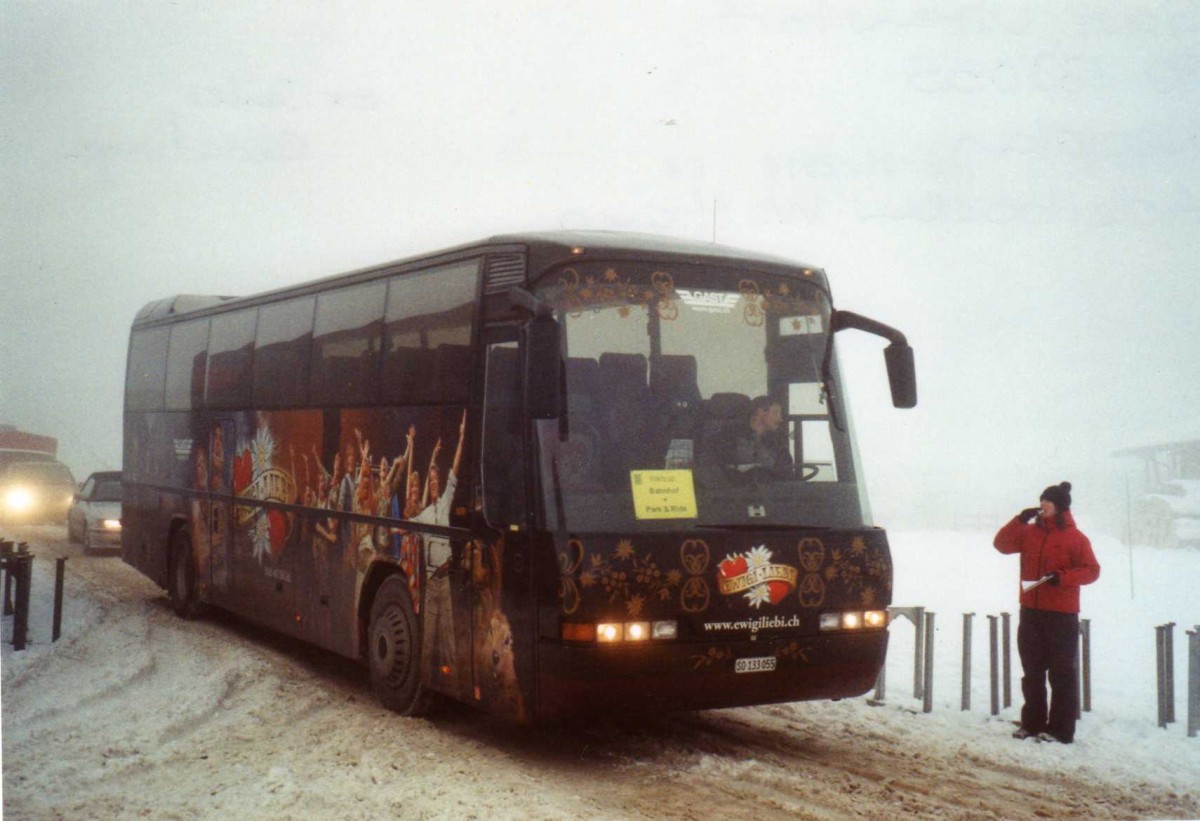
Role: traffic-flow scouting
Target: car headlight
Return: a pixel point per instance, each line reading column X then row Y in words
column 111, row 524
column 18, row 499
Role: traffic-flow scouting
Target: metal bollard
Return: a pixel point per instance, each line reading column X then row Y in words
column 59, row 572
column 1085, row 671
column 917, row 616
column 23, row 564
column 927, row 687
column 7, row 549
column 1165, row 647
column 8, row 589
column 993, row 657
column 1007, row 660
column 1078, row 673
column 1169, row 671
column 1159, row 652
column 966, row 661
column 1193, row 681
column 919, row 622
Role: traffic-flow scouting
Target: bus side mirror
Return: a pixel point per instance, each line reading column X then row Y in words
column 898, row 356
column 902, row 375
column 543, row 368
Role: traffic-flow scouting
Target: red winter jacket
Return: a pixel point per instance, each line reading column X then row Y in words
column 1047, row 548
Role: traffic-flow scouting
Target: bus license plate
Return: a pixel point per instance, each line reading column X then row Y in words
column 758, row 664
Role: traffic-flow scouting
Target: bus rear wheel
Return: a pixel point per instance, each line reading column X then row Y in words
column 182, row 578
column 394, row 650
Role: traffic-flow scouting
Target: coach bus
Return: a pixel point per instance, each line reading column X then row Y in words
column 545, row 474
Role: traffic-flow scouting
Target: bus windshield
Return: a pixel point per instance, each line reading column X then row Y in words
column 694, row 397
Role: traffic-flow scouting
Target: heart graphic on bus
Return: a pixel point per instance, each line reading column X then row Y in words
column 776, row 591
column 754, row 574
column 732, row 566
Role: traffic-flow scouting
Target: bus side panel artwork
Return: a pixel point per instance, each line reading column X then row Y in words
column 274, row 501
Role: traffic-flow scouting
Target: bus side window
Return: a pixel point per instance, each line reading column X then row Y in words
column 427, row 328
column 146, row 376
column 503, row 452
column 230, row 355
column 187, row 361
column 281, row 353
column 346, row 339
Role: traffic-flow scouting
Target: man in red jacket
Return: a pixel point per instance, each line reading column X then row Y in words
column 1056, row 554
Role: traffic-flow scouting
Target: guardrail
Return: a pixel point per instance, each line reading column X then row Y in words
column 1000, row 665
column 999, row 657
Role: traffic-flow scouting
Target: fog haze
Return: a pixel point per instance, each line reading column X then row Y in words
column 1015, row 187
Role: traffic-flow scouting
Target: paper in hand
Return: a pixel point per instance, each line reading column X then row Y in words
column 1027, row 586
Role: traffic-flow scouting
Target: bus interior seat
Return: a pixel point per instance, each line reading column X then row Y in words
column 503, row 377
column 408, row 374
column 334, row 378
column 676, row 395
column 627, row 413
column 580, row 456
column 452, row 371
column 626, row 393
column 722, row 411
column 583, row 380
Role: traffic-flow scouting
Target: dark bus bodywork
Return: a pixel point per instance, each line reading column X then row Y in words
column 522, row 473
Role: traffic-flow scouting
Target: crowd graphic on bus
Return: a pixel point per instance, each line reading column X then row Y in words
column 357, row 480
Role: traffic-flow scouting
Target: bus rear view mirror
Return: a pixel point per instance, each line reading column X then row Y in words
column 898, row 356
column 543, row 368
column 902, row 375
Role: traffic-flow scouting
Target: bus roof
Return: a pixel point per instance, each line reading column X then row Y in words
column 545, row 248
column 626, row 241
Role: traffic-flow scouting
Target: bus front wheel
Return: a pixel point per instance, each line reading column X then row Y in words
column 183, row 577
column 394, row 650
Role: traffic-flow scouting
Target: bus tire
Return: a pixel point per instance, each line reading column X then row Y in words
column 394, row 650
column 182, row 579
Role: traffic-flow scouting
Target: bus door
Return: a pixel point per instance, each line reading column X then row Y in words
column 221, row 438
column 503, row 608
column 447, row 614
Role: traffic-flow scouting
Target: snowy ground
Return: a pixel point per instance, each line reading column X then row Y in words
column 134, row 713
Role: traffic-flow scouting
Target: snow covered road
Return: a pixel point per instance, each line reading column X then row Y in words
column 135, row 713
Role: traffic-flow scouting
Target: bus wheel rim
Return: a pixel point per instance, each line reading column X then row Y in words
column 391, row 646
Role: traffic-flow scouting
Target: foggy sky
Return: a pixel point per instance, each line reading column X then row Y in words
column 1014, row 186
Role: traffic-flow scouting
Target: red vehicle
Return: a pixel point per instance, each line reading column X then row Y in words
column 22, row 446
column 544, row 474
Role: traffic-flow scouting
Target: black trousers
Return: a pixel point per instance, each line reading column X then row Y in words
column 1048, row 644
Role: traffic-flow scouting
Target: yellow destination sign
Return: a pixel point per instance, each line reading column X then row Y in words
column 663, row 494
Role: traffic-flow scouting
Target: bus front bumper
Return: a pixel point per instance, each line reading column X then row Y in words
column 658, row 677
